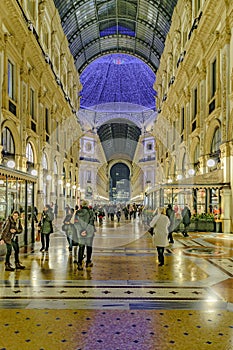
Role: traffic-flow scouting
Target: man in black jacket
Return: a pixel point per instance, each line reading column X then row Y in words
column 171, row 215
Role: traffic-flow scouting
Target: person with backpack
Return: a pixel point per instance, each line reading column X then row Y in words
column 11, row 229
column 85, row 229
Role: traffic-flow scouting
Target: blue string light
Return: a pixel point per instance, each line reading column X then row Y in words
column 117, row 78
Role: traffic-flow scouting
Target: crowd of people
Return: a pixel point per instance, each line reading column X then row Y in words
column 79, row 228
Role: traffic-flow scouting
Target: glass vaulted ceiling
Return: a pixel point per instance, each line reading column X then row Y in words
column 97, row 27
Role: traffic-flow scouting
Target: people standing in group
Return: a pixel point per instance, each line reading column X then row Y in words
column 46, row 227
column 160, row 224
column 85, row 228
column 186, row 218
column 11, row 230
column 171, row 215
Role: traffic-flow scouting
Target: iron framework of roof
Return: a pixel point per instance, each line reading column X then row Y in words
column 97, row 27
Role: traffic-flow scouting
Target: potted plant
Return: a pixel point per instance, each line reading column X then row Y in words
column 205, row 222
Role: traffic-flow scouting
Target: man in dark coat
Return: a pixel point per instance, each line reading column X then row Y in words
column 171, row 215
column 186, row 215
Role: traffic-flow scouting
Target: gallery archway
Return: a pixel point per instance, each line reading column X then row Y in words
column 119, row 184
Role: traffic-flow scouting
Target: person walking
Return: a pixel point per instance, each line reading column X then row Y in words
column 160, row 224
column 85, row 228
column 118, row 214
column 171, row 215
column 186, row 215
column 11, row 230
column 46, row 227
column 68, row 227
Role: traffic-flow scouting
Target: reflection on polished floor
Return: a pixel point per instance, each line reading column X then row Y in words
column 125, row 301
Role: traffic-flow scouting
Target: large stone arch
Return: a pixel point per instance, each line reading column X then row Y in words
column 115, row 161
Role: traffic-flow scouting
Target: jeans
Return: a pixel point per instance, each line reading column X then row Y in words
column 69, row 239
column 15, row 246
column 45, row 240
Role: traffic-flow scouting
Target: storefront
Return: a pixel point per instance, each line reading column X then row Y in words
column 17, row 192
column 202, row 194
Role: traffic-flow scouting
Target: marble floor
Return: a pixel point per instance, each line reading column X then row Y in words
column 125, row 301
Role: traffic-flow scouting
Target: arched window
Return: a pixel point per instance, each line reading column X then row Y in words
column 216, row 141
column 29, row 153
column 8, row 142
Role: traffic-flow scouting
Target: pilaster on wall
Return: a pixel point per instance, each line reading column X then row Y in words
column 226, row 216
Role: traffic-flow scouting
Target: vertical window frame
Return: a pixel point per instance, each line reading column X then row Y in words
column 32, row 104
column 11, row 80
column 213, row 77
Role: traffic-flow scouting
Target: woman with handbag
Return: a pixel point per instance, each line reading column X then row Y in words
column 11, row 230
column 46, row 228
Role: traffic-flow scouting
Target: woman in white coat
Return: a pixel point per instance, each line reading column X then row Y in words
column 160, row 223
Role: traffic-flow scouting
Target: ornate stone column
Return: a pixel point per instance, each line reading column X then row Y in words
column 40, row 190
column 227, row 209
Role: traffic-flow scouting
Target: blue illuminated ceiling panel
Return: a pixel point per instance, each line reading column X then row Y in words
column 118, row 78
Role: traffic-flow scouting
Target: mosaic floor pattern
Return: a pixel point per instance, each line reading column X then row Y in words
column 125, row 301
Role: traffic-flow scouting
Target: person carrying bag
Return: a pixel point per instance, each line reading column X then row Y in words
column 10, row 232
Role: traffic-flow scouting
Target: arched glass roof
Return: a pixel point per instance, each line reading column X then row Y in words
column 121, row 107
column 119, row 139
column 97, row 27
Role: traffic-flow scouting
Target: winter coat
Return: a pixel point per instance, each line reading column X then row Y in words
column 86, row 222
column 68, row 224
column 7, row 236
column 186, row 215
column 171, row 215
column 160, row 225
column 46, row 221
